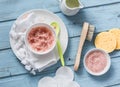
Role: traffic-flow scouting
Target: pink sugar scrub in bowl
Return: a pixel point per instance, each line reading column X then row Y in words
column 97, row 62
column 40, row 38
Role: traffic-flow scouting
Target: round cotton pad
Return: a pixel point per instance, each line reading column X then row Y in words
column 47, row 82
column 116, row 32
column 61, row 81
column 65, row 72
column 72, row 84
column 105, row 41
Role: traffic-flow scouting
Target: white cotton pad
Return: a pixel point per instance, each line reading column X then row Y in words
column 65, row 73
column 47, row 82
column 61, row 80
column 71, row 84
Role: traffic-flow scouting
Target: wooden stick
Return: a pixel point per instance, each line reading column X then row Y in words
column 81, row 43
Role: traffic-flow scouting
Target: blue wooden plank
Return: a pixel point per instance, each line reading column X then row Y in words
column 94, row 3
column 10, row 9
column 96, row 16
column 4, row 32
column 82, row 77
column 73, row 46
column 22, row 81
column 110, row 78
column 11, row 66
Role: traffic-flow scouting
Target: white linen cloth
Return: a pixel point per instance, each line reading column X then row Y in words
column 31, row 61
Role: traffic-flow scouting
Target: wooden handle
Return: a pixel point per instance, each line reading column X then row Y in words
column 81, row 43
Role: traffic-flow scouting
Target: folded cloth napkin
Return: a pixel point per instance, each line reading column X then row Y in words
column 31, row 61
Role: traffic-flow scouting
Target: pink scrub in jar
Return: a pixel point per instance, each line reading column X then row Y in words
column 41, row 38
column 97, row 62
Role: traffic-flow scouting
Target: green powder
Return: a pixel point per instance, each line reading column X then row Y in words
column 72, row 3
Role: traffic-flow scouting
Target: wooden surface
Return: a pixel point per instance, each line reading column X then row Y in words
column 104, row 14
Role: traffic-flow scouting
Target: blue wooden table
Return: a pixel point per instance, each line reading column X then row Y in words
column 104, row 14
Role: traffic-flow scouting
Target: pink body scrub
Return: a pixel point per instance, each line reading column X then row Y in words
column 41, row 38
column 96, row 61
